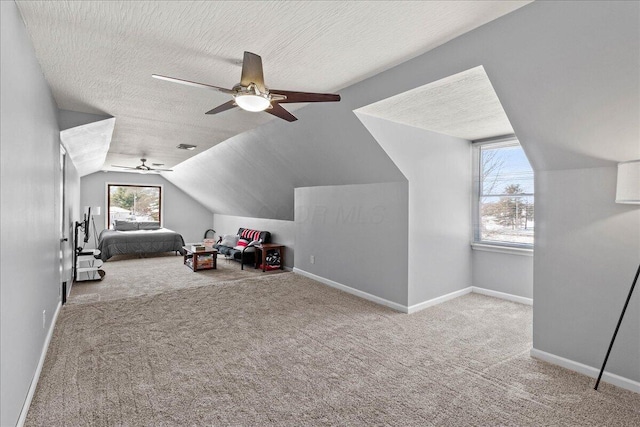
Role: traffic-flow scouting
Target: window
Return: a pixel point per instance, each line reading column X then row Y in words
column 134, row 203
column 504, row 195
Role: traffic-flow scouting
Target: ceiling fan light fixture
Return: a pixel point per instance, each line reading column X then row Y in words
column 251, row 94
column 251, row 102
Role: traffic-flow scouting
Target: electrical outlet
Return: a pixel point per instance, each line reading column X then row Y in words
column 44, row 318
column 312, row 259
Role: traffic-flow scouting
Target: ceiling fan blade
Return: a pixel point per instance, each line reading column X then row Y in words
column 162, row 170
column 293, row 96
column 124, row 167
column 252, row 71
column 224, row 107
column 190, row 83
column 279, row 111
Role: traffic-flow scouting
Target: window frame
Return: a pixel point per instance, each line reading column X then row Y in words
column 476, row 242
column 107, row 201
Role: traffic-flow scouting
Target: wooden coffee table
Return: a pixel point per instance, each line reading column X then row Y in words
column 200, row 260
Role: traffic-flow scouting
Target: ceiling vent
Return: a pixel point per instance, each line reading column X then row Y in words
column 186, row 147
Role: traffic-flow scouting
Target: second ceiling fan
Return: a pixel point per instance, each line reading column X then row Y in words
column 251, row 94
column 143, row 168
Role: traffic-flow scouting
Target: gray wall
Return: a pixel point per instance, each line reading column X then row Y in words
column 358, row 236
column 587, row 250
column 566, row 74
column 70, row 119
column 507, row 273
column 29, row 185
column 439, row 171
column 181, row 213
column 438, row 168
column 254, row 174
column 565, row 90
column 282, row 232
column 571, row 93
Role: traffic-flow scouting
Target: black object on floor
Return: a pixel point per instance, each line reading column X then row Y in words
column 613, row 338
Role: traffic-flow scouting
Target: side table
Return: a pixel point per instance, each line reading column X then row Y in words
column 261, row 254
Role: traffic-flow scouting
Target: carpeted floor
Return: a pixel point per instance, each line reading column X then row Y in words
column 284, row 350
column 132, row 276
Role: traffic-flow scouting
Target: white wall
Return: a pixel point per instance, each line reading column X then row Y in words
column 438, row 168
column 282, row 232
column 507, row 273
column 587, row 250
column 29, row 188
column 180, row 212
column 358, row 236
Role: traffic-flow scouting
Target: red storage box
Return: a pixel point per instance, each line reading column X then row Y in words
column 270, row 267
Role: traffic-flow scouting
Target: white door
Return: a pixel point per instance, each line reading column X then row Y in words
column 66, row 258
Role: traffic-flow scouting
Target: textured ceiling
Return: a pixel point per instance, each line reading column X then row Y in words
column 98, row 57
column 87, row 144
column 463, row 105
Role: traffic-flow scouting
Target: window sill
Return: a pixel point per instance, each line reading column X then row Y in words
column 502, row 249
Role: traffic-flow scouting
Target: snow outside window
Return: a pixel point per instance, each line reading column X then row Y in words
column 504, row 208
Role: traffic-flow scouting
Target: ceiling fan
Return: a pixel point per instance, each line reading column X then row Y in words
column 251, row 94
column 143, row 168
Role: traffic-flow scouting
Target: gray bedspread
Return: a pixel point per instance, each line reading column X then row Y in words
column 113, row 242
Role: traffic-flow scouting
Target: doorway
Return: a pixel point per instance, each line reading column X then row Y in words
column 65, row 244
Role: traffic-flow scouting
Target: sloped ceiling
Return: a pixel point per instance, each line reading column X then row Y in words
column 87, row 145
column 463, row 105
column 566, row 74
column 98, row 57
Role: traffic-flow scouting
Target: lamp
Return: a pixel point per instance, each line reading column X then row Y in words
column 628, row 188
column 627, row 192
column 251, row 102
column 252, row 98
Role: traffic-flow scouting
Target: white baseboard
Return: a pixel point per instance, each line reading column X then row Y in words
column 353, row 291
column 36, row 375
column 438, row 300
column 589, row 371
column 502, row 295
column 416, row 307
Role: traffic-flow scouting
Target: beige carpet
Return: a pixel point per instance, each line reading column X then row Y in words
column 131, row 276
column 286, row 351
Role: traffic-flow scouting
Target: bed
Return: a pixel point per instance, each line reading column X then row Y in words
column 138, row 241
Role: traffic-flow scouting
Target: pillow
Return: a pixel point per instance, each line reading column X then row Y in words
column 255, row 242
column 229, row 240
column 242, row 243
column 250, row 234
column 151, row 225
column 126, row 225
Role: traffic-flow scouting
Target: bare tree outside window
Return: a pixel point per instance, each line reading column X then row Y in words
column 506, row 200
column 134, row 203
